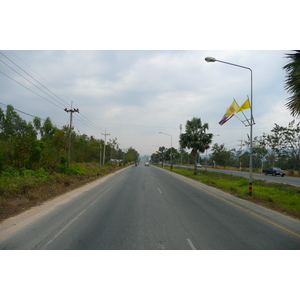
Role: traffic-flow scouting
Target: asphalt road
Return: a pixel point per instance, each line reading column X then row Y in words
column 150, row 208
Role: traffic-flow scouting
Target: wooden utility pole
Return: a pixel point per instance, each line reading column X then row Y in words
column 105, row 134
column 71, row 111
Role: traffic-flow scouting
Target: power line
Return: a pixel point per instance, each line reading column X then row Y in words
column 29, row 89
column 81, row 118
column 85, row 122
column 22, row 112
column 94, row 127
column 39, row 76
column 29, row 81
column 91, row 125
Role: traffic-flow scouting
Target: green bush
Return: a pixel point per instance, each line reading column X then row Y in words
column 27, row 173
column 9, row 172
column 75, row 170
column 41, row 173
column 62, row 169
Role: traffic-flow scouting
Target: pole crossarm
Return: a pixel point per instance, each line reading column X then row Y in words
column 105, row 134
column 71, row 111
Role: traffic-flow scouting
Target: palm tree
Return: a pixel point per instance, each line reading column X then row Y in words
column 196, row 138
column 292, row 83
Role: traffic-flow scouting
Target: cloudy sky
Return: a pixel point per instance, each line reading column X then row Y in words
column 134, row 95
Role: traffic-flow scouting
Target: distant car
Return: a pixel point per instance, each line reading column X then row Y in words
column 274, row 171
column 198, row 165
column 147, row 163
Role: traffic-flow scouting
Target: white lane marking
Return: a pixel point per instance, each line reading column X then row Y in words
column 191, row 244
column 159, row 190
column 106, row 191
column 63, row 229
column 74, row 219
column 94, row 202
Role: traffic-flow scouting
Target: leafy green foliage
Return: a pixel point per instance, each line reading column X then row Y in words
column 34, row 164
column 196, row 138
column 220, row 155
column 40, row 144
column 292, row 83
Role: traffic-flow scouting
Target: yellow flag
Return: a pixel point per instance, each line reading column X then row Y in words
column 233, row 108
column 245, row 105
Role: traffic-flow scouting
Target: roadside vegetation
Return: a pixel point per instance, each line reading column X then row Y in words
column 20, row 190
column 279, row 197
column 279, row 148
column 39, row 161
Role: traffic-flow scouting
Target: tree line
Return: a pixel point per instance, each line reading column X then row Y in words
column 40, row 144
column 280, row 148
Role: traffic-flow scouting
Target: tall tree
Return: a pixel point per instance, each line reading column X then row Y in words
column 292, row 82
column 171, row 151
column 161, row 151
column 196, row 138
column 289, row 141
column 131, row 155
column 220, row 154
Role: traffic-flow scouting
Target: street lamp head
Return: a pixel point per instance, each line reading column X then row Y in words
column 210, row 59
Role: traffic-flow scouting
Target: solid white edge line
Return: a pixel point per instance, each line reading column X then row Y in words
column 159, row 190
column 191, row 244
column 63, row 229
column 75, row 218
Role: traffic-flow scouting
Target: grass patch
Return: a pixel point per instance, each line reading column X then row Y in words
column 283, row 198
column 22, row 190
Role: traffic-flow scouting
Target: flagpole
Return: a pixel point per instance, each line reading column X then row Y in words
column 212, row 59
column 239, row 119
column 246, row 119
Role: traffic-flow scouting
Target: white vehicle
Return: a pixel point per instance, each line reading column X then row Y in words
column 147, row 163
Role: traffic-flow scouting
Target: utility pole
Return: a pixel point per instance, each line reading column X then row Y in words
column 180, row 128
column 71, row 111
column 100, row 153
column 105, row 134
column 241, row 148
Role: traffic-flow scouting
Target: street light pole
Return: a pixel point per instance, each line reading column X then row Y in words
column 212, row 59
column 171, row 148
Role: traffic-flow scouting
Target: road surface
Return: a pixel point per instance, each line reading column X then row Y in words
column 149, row 208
